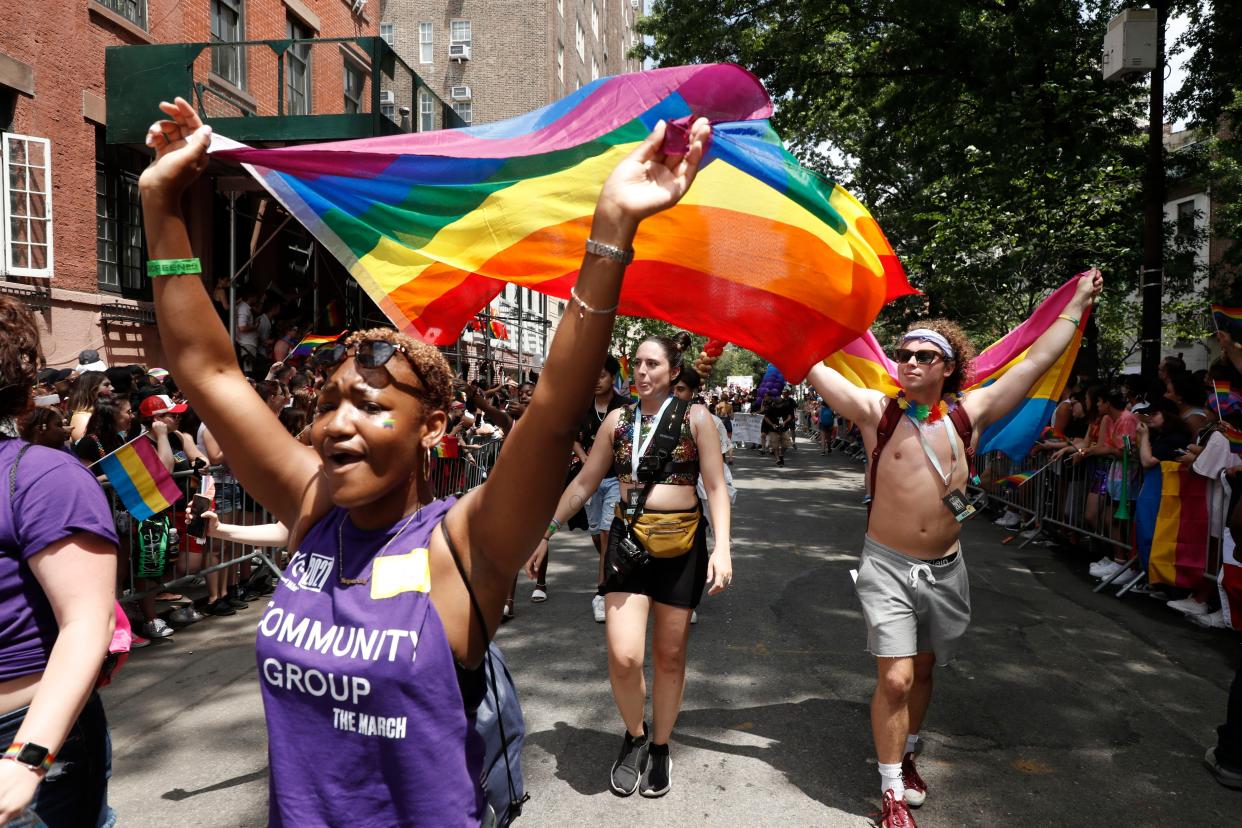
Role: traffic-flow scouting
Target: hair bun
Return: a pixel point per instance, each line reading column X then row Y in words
column 682, row 341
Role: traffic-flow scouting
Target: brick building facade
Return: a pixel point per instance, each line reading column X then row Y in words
column 72, row 236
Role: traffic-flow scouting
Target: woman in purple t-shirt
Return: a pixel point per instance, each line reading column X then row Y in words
column 369, row 651
column 57, row 564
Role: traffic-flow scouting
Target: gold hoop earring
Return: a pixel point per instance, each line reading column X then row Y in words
column 426, row 463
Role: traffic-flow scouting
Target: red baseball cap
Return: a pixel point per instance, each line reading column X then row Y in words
column 160, row 404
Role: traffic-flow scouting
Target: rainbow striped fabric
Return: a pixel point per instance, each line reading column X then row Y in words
column 1225, row 316
column 864, row 363
column 310, row 342
column 624, row 384
column 1234, row 436
column 1171, row 525
column 1016, row 480
column 761, row 252
column 139, row 478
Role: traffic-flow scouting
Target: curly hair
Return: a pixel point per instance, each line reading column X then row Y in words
column 19, row 356
column 428, row 363
column 963, row 353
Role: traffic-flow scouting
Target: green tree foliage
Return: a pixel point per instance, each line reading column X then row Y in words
column 980, row 134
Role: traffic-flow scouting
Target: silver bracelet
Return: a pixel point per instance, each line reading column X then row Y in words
column 584, row 308
column 608, row 251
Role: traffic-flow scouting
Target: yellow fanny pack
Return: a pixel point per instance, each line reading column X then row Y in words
column 666, row 534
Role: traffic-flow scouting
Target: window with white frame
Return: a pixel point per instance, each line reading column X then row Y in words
column 595, row 19
column 298, row 69
column 560, row 7
column 560, row 61
column 27, row 187
column 355, row 79
column 579, row 39
column 118, row 229
column 464, row 110
column 459, row 32
column 389, row 34
column 426, row 35
column 135, row 11
column 594, row 68
column 426, row 110
column 228, row 25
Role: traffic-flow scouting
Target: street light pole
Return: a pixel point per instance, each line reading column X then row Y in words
column 1151, row 277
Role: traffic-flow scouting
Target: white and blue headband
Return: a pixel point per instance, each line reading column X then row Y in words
column 931, row 336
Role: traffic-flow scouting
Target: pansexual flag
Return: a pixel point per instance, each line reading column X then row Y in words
column 139, row 478
column 761, row 252
column 1171, row 525
column 864, row 363
column 310, row 342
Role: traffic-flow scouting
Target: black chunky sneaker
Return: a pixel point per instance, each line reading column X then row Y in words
column 630, row 764
column 658, row 777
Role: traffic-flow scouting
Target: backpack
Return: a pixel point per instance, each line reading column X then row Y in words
column 888, row 424
column 498, row 722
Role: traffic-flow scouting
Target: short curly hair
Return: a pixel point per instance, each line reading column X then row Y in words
column 963, row 352
column 428, row 363
column 19, row 356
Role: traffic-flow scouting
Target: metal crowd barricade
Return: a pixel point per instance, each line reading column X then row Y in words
column 458, row 475
column 187, row 559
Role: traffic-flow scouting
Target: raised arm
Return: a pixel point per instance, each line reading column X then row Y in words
column 503, row 520
column 863, row 406
column 272, row 466
column 989, row 404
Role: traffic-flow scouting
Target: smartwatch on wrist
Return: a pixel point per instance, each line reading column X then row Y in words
column 36, row 757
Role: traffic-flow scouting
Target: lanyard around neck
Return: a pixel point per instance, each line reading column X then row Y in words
column 639, row 450
column 931, row 453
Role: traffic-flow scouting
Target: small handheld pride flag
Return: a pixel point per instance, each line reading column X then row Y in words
column 310, row 342
column 141, row 482
column 1226, row 318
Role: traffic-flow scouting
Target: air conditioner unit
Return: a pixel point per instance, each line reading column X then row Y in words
column 387, row 96
column 459, row 51
column 358, row 6
column 1130, row 44
column 459, row 93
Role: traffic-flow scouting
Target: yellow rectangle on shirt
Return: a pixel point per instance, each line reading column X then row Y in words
column 394, row 574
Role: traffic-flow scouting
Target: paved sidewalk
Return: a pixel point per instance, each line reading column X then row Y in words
column 1066, row 708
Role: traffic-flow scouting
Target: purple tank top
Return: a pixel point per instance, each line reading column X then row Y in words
column 365, row 719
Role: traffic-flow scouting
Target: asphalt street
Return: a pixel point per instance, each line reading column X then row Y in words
column 1066, row 708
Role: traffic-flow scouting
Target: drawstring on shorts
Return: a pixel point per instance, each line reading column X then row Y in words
column 923, row 568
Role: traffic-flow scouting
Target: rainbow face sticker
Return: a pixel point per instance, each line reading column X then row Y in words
column 389, row 423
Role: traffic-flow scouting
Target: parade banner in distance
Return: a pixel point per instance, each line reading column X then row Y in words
column 761, row 252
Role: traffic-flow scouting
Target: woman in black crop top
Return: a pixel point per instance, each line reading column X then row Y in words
column 668, row 588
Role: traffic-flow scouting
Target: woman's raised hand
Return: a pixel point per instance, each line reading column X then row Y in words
column 180, row 143
column 650, row 180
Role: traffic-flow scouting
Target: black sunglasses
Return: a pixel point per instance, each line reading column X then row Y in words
column 902, row 355
column 370, row 353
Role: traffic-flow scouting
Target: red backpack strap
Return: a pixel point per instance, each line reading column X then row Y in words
column 965, row 430
column 883, row 433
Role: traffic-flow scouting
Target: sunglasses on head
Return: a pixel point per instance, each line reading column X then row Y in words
column 369, row 353
column 902, row 355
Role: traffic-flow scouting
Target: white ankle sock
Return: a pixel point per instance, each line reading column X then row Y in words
column 912, row 743
column 890, row 779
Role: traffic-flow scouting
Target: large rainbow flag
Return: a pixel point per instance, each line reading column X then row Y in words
column 1171, row 525
column 864, row 363
column 761, row 252
column 140, row 479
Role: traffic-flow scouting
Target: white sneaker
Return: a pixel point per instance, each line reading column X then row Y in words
column 539, row 595
column 1188, row 606
column 1211, row 620
column 1102, row 561
column 597, row 608
column 694, row 616
column 1009, row 520
column 1107, row 570
column 156, row 629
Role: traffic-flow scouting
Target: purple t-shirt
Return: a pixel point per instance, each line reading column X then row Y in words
column 365, row 719
column 55, row 497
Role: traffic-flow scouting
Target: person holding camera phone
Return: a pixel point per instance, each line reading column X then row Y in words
column 656, row 562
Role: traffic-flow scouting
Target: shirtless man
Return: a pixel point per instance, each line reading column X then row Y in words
column 911, row 576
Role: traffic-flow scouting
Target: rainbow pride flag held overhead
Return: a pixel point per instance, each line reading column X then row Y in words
column 1226, row 317
column 1171, row 525
column 864, row 363
column 761, row 251
column 312, row 341
column 140, row 479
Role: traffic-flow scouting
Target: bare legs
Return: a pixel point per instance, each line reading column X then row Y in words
column 627, row 633
column 902, row 695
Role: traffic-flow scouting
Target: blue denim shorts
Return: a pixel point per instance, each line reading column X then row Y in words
column 602, row 505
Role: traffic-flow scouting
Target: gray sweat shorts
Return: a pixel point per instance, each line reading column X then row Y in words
column 912, row 606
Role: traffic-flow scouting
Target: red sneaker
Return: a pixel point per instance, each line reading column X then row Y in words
column 895, row 813
column 138, row 642
column 916, row 788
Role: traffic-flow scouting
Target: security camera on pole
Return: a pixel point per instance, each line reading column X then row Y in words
column 1134, row 44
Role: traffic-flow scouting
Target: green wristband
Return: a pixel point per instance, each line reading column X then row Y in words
column 173, row 267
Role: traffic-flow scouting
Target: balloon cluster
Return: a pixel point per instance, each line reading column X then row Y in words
column 708, row 356
column 772, row 384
